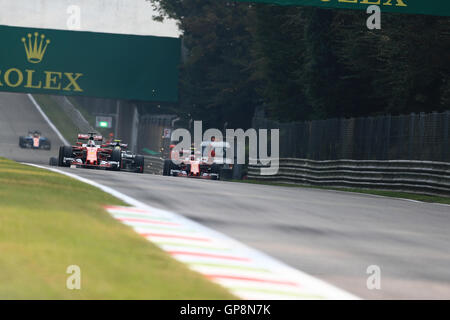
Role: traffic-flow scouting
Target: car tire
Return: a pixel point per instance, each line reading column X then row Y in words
column 225, row 174
column 64, row 152
column 188, row 169
column 116, row 156
column 139, row 163
column 53, row 161
column 21, row 142
column 47, row 146
column 215, row 168
column 167, row 167
column 60, row 156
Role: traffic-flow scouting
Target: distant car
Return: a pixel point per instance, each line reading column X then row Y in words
column 129, row 161
column 89, row 152
column 35, row 140
column 208, row 163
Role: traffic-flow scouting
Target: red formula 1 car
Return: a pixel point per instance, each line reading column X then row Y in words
column 208, row 163
column 90, row 153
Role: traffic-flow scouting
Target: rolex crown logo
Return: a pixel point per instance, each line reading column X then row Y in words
column 35, row 49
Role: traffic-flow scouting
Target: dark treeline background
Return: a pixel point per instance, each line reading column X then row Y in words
column 305, row 63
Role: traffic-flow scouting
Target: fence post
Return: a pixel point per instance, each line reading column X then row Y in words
column 368, row 129
column 445, row 145
column 421, row 134
column 411, row 135
column 388, row 137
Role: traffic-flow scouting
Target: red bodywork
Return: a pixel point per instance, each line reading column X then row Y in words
column 91, row 156
column 194, row 167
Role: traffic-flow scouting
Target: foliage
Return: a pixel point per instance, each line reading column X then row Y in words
column 306, row 63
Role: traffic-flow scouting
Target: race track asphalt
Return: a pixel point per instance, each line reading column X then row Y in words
column 334, row 236
column 18, row 116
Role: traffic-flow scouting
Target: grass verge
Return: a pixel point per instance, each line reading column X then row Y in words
column 58, row 117
column 87, row 114
column 49, row 221
column 392, row 194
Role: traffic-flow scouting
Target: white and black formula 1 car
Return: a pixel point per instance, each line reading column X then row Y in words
column 210, row 162
column 129, row 161
column 35, row 140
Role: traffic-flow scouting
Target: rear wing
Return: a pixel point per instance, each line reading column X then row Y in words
column 216, row 144
column 112, row 144
column 119, row 142
column 88, row 136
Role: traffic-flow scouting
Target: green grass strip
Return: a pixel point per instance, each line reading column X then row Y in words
column 59, row 118
column 384, row 193
column 89, row 116
column 49, row 221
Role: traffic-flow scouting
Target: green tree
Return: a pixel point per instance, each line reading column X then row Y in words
column 306, row 63
column 215, row 84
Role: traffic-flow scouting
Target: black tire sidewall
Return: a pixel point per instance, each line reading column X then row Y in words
column 167, row 167
column 139, row 162
column 67, row 152
column 116, row 155
column 60, row 156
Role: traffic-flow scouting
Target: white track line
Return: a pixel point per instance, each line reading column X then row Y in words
column 239, row 274
column 49, row 122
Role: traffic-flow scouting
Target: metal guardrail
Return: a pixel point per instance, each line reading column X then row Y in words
column 153, row 165
column 425, row 177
